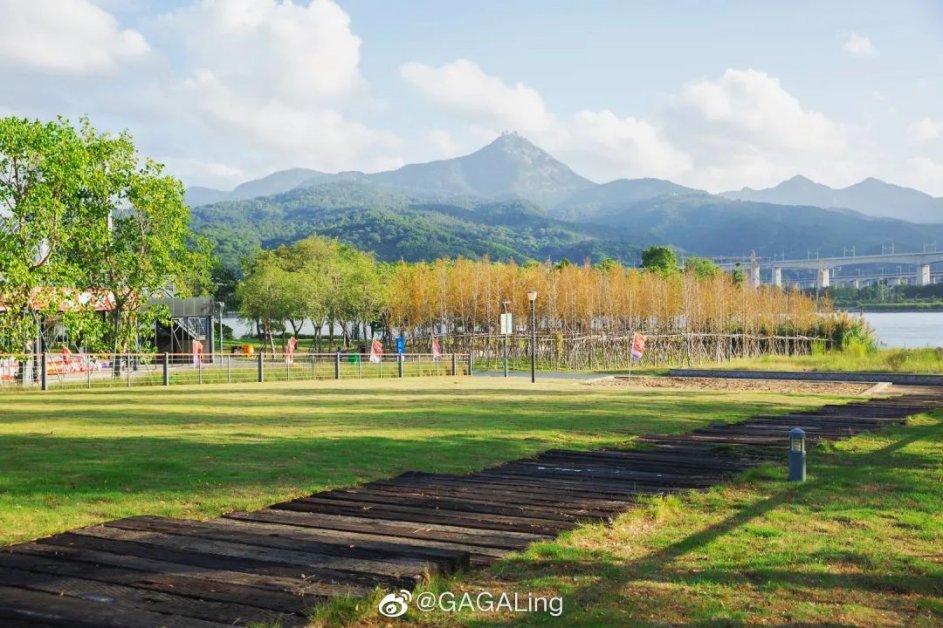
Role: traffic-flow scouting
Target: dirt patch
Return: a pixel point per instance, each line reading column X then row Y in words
column 712, row 383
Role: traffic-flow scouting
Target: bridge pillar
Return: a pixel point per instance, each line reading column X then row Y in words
column 923, row 277
column 755, row 276
column 824, row 278
column 777, row 276
column 856, row 283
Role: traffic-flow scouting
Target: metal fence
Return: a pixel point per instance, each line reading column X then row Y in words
column 48, row 371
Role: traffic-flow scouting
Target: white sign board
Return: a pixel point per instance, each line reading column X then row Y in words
column 507, row 324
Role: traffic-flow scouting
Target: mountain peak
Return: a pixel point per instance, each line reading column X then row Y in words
column 511, row 166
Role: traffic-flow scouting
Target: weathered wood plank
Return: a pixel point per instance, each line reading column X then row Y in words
column 37, row 607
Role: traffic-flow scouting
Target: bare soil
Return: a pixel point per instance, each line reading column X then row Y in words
column 712, row 383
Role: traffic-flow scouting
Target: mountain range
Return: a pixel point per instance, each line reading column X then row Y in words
column 511, row 199
column 870, row 196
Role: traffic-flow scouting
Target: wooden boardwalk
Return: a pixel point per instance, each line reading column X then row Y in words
column 277, row 563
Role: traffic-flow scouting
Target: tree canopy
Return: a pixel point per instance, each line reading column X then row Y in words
column 660, row 259
column 83, row 211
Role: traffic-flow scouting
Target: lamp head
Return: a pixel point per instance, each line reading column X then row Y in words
column 531, row 295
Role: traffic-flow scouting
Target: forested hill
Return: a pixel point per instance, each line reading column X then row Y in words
column 398, row 225
column 512, row 200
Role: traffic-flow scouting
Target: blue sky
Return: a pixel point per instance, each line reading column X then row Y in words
column 712, row 94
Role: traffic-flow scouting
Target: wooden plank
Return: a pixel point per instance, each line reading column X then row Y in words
column 553, row 485
column 57, row 610
column 404, row 567
column 465, row 504
column 167, row 582
column 290, row 579
column 568, row 502
column 426, row 515
column 446, row 560
column 478, row 554
column 34, row 575
column 403, row 529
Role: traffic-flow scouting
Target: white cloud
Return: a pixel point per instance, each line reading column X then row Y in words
column 273, row 81
column 925, row 174
column 464, row 87
column 859, row 46
column 271, row 48
column 64, row 36
column 442, row 143
column 925, row 130
column 745, row 128
column 752, row 107
column 612, row 147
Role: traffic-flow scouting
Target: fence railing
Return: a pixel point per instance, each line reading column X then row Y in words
column 45, row 371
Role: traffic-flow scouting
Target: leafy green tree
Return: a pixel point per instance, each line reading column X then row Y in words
column 43, row 168
column 81, row 210
column 701, row 267
column 137, row 239
column 660, row 259
column 265, row 296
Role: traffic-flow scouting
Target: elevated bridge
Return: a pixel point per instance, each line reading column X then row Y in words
column 917, row 267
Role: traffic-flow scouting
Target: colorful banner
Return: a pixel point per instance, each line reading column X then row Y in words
column 376, row 351
column 436, row 349
column 197, row 353
column 290, row 350
column 638, row 346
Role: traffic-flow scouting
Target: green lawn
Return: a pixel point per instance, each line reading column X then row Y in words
column 884, row 360
column 73, row 457
column 860, row 543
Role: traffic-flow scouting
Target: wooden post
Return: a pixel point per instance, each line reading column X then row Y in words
column 43, row 375
column 471, row 363
column 454, row 365
column 337, row 365
column 399, row 362
column 165, row 360
column 261, row 367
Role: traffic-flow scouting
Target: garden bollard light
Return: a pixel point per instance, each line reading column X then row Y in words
column 796, row 455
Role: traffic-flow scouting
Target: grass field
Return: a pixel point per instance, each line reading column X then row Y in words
column 860, row 543
column 884, row 360
column 72, row 458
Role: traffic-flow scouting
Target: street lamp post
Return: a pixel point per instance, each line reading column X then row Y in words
column 532, row 297
column 221, row 307
column 505, row 334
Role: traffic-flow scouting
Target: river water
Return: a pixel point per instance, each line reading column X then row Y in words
column 894, row 329
column 907, row 329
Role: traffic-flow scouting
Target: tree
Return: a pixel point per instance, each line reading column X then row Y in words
column 43, row 168
column 137, row 239
column 701, row 267
column 660, row 259
column 266, row 295
column 81, row 211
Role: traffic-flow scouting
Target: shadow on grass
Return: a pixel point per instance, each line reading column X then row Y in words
column 608, row 599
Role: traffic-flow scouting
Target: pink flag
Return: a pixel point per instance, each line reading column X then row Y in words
column 638, row 346
column 290, row 350
column 436, row 349
column 197, row 353
column 376, row 351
